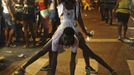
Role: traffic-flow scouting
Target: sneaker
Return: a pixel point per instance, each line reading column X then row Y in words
column 21, row 71
column 46, row 68
column 90, row 70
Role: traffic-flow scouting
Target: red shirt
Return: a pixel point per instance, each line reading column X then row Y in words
column 41, row 5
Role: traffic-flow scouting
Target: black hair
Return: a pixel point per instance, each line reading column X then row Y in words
column 69, row 4
column 68, row 31
column 67, row 38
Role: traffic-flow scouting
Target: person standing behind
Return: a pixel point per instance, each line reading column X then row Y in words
column 122, row 14
column 53, row 15
column 1, row 25
column 87, row 5
column 106, row 8
column 44, row 13
column 9, row 22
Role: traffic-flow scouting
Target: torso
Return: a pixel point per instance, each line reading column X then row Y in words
column 123, row 6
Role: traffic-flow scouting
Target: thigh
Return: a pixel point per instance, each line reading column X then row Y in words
column 8, row 21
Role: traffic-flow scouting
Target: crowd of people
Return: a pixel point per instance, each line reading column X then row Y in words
column 120, row 9
column 31, row 19
column 26, row 21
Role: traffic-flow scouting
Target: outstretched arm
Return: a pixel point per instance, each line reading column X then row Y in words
column 81, row 23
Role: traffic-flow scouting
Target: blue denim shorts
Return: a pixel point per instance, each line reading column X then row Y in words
column 8, row 21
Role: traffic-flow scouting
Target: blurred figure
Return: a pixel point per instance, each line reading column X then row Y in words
column 87, row 5
column 53, row 16
column 28, row 22
column 44, row 17
column 18, row 12
column 9, row 22
column 1, row 25
column 106, row 8
column 122, row 13
column 1, row 9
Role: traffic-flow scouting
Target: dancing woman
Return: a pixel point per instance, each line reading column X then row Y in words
column 69, row 12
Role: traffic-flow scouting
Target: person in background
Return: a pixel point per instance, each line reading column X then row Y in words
column 87, row 5
column 44, row 15
column 122, row 13
column 53, row 16
column 106, row 9
column 1, row 25
column 1, row 10
column 18, row 12
column 28, row 22
column 9, row 23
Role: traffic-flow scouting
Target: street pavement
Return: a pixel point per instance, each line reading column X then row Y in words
column 119, row 55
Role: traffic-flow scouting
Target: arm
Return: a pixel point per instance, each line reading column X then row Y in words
column 81, row 23
column 116, row 6
column 79, row 17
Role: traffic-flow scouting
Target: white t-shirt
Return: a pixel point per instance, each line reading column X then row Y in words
column 67, row 20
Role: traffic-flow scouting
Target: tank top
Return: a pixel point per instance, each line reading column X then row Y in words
column 5, row 9
column 123, row 6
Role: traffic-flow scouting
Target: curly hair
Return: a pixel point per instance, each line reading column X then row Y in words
column 69, row 4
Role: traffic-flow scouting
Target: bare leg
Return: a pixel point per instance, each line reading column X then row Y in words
column 26, row 33
column 45, row 49
column 97, row 58
column 11, row 33
column 45, row 23
column 53, row 64
column 31, row 24
column 120, row 30
column 84, row 49
column 6, row 36
column 72, row 64
column 87, row 52
column 125, row 30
